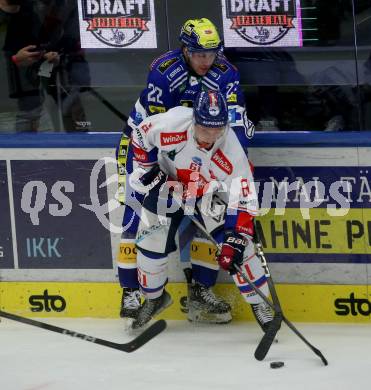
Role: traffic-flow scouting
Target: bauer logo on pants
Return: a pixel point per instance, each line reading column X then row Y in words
column 262, row 23
column 117, row 23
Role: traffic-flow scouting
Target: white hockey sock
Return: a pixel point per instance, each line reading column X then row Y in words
column 152, row 274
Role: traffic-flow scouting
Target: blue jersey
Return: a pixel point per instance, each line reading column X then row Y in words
column 171, row 82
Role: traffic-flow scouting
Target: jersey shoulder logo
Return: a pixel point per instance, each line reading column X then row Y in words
column 220, row 159
column 173, row 138
column 221, row 66
column 158, row 60
column 165, row 65
column 156, row 109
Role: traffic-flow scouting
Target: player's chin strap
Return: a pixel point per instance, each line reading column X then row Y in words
column 268, row 338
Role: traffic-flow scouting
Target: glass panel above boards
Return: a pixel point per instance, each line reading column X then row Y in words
column 80, row 65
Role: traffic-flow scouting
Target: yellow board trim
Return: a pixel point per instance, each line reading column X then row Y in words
column 301, row 303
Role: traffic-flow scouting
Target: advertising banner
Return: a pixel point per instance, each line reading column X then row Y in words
column 6, row 245
column 120, row 24
column 316, row 214
column 262, row 23
column 56, row 226
column 65, row 219
column 303, row 302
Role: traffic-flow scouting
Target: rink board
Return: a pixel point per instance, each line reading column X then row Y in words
column 60, row 222
column 303, row 303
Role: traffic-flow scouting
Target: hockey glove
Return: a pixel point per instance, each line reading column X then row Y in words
column 249, row 126
column 232, row 251
column 242, row 123
column 144, row 181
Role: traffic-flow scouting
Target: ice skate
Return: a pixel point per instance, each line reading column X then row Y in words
column 150, row 308
column 205, row 307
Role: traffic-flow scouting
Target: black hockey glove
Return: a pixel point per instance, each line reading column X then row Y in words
column 232, row 251
column 153, row 178
column 144, row 181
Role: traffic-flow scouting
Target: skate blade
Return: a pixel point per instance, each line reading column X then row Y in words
column 137, row 331
column 202, row 317
column 128, row 322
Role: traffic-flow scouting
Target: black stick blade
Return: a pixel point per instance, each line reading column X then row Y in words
column 319, row 353
column 268, row 338
column 147, row 335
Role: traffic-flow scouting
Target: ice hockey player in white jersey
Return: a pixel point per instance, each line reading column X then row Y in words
column 192, row 156
column 174, row 79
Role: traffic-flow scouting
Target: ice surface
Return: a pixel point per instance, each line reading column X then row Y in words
column 184, row 356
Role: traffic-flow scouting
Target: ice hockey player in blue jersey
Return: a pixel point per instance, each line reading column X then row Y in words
column 177, row 76
column 174, row 79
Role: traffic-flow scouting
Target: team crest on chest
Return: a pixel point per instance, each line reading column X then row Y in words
column 196, row 164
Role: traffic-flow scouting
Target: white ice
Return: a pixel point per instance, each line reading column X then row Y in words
column 184, row 356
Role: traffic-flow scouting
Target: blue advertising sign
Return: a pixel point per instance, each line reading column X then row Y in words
column 6, row 248
column 56, row 224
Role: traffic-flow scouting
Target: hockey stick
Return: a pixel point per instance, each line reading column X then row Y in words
column 148, row 334
column 275, row 300
column 287, row 322
column 269, row 336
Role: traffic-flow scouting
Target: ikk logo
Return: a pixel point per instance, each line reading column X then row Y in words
column 44, row 247
column 46, row 302
column 261, row 22
column 117, row 23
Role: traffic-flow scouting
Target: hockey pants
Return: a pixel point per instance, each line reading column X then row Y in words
column 156, row 239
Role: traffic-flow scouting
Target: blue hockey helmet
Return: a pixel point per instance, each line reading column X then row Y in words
column 200, row 35
column 210, row 109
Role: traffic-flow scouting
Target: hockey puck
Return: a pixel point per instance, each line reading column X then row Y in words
column 277, row 364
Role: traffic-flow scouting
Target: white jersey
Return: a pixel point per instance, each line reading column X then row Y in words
column 168, row 139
